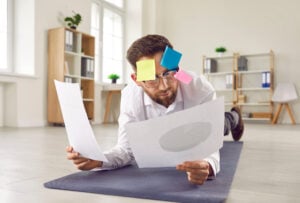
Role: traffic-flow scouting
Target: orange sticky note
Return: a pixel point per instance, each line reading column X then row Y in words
column 145, row 70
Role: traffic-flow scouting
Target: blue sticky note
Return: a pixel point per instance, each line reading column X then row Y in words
column 170, row 59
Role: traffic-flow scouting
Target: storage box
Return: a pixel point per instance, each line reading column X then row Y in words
column 241, row 98
column 261, row 115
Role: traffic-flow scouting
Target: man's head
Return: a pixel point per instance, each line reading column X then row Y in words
column 163, row 90
column 146, row 46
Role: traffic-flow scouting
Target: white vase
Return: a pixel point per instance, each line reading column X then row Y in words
column 220, row 54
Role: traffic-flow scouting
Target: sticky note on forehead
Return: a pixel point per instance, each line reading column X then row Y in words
column 183, row 76
column 170, row 58
column 145, row 70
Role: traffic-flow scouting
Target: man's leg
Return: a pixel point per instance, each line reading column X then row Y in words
column 234, row 123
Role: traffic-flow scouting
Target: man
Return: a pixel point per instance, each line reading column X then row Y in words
column 142, row 100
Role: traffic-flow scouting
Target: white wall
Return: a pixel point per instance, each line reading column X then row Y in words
column 1, row 106
column 196, row 27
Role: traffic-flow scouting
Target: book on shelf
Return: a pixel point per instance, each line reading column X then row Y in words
column 210, row 66
column 242, row 63
column 266, row 79
column 66, row 68
column 69, row 40
column 87, row 67
column 68, row 80
column 229, row 81
column 241, row 99
column 261, row 115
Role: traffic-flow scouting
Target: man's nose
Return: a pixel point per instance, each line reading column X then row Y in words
column 163, row 84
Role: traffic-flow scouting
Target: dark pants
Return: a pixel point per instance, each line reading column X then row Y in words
column 228, row 123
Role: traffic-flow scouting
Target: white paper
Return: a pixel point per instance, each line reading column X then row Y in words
column 80, row 134
column 191, row 134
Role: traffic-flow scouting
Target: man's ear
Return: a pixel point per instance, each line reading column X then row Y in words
column 133, row 77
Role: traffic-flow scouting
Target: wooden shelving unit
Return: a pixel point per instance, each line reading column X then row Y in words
column 70, row 59
column 223, row 78
column 247, row 91
column 250, row 83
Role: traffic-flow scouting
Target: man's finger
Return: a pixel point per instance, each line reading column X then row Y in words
column 80, row 160
column 72, row 156
column 196, row 164
column 83, row 165
column 69, row 149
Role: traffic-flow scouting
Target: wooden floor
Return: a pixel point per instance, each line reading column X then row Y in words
column 268, row 170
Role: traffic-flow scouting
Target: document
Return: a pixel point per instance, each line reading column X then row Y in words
column 80, row 134
column 191, row 134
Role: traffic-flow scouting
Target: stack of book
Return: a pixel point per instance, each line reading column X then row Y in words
column 210, row 66
column 266, row 79
column 87, row 67
column 69, row 46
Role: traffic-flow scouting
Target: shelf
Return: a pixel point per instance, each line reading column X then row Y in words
column 72, row 53
column 256, row 55
column 87, row 100
column 220, row 57
column 78, row 77
column 254, row 104
column 253, row 71
column 86, row 78
column 219, row 73
column 256, row 119
column 86, row 56
column 78, row 54
column 224, row 90
column 254, row 89
column 67, row 50
column 229, row 104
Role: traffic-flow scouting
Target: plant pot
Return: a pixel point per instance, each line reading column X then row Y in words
column 113, row 81
column 220, row 54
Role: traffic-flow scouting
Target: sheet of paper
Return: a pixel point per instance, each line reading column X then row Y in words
column 191, row 134
column 79, row 130
column 145, row 70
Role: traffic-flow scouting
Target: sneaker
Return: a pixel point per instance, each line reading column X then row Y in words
column 238, row 131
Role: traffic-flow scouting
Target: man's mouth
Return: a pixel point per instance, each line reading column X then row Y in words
column 164, row 94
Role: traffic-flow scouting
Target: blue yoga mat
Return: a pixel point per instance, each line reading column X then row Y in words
column 166, row 184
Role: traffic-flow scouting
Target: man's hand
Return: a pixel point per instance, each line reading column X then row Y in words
column 81, row 163
column 197, row 171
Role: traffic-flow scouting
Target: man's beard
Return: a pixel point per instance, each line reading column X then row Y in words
column 167, row 101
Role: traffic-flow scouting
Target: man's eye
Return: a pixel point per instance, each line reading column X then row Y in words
column 166, row 73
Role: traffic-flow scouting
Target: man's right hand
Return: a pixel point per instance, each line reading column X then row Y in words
column 80, row 162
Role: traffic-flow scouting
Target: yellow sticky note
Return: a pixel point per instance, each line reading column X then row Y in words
column 145, row 70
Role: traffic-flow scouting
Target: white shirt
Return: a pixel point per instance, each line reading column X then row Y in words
column 136, row 106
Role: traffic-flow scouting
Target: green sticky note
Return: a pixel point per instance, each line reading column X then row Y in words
column 145, row 70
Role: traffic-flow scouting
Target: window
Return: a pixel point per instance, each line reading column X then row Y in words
column 118, row 3
column 107, row 25
column 17, row 37
column 3, row 35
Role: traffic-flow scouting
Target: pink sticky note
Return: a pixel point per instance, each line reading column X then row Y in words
column 183, row 76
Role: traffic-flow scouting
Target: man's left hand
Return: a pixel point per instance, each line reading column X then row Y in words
column 197, row 171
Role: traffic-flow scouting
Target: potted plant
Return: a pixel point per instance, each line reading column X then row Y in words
column 73, row 21
column 220, row 50
column 114, row 77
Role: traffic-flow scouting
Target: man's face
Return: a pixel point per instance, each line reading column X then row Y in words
column 165, row 91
